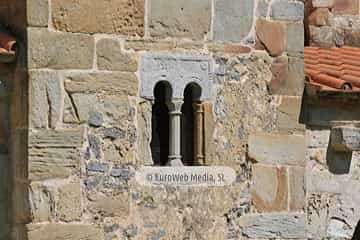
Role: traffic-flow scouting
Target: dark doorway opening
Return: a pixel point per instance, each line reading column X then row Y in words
column 160, row 124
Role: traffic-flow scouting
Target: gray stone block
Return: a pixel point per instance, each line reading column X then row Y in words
column 233, row 19
column 38, row 13
column 178, row 71
column 274, row 226
column 287, row 10
column 186, row 18
column 277, row 149
column 59, row 50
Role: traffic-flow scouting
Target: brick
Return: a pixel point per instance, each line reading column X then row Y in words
column 277, row 149
column 269, row 188
column 269, row 226
column 287, row 10
column 272, row 36
column 110, row 57
column 58, row 50
column 38, row 13
column 124, row 17
column 187, row 18
column 297, row 188
column 60, row 231
column 233, row 19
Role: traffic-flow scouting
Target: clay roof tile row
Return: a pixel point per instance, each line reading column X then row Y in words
column 7, row 47
column 333, row 69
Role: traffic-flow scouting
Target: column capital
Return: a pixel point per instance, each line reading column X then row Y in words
column 174, row 106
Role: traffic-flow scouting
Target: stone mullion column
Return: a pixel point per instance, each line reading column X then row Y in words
column 198, row 134
column 175, row 132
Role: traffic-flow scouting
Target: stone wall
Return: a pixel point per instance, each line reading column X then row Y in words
column 333, row 22
column 89, row 128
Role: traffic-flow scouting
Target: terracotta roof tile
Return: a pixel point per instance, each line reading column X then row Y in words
column 332, row 69
column 7, row 47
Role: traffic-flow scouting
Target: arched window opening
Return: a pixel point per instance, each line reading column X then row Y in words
column 190, row 125
column 160, row 124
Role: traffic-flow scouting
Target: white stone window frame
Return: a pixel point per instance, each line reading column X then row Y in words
column 178, row 71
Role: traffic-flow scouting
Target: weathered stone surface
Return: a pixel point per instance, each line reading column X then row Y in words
column 318, row 137
column 46, row 99
column 37, row 13
column 297, row 188
column 270, row 188
column 322, row 36
column 144, row 155
column 91, row 16
column 272, row 36
column 118, row 83
column 289, row 114
column 41, row 202
column 319, row 17
column 345, row 139
column 233, row 19
column 279, row 226
column 59, row 50
column 177, row 70
column 117, row 206
column 295, row 39
column 110, row 57
column 345, row 7
column 277, row 149
column 54, row 154
column 69, row 202
column 317, row 213
column 279, row 70
column 58, row 231
column 188, row 18
column 294, row 86
column 287, row 10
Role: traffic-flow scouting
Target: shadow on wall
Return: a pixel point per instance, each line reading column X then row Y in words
column 356, row 235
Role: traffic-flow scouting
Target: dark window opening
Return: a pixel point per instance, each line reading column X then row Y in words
column 188, row 125
column 160, row 125
column 356, row 232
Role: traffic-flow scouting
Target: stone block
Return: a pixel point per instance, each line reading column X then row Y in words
column 277, row 149
column 297, row 188
column 271, row 36
column 117, row 206
column 346, row 7
column 317, row 210
column 58, row 50
column 42, row 202
column 120, row 83
column 124, row 17
column 186, row 19
column 273, row 226
column 294, row 86
column 322, row 36
column 262, row 8
column 37, row 13
column 60, row 231
column 345, row 139
column 110, row 57
column 289, row 114
column 295, row 39
column 269, row 188
column 46, row 99
column 285, row 10
column 318, row 137
column 54, row 154
column 280, row 71
column 68, row 206
column 319, row 17
column 233, row 20
column 323, row 3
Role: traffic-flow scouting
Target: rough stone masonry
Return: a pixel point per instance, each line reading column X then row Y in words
column 80, row 125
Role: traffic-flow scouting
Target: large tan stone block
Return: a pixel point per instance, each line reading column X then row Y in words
column 270, row 188
column 297, row 188
column 117, row 206
column 58, row 231
column 277, row 149
column 37, row 13
column 41, row 202
column 54, row 154
column 69, row 203
column 92, row 16
column 288, row 119
column 58, row 50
